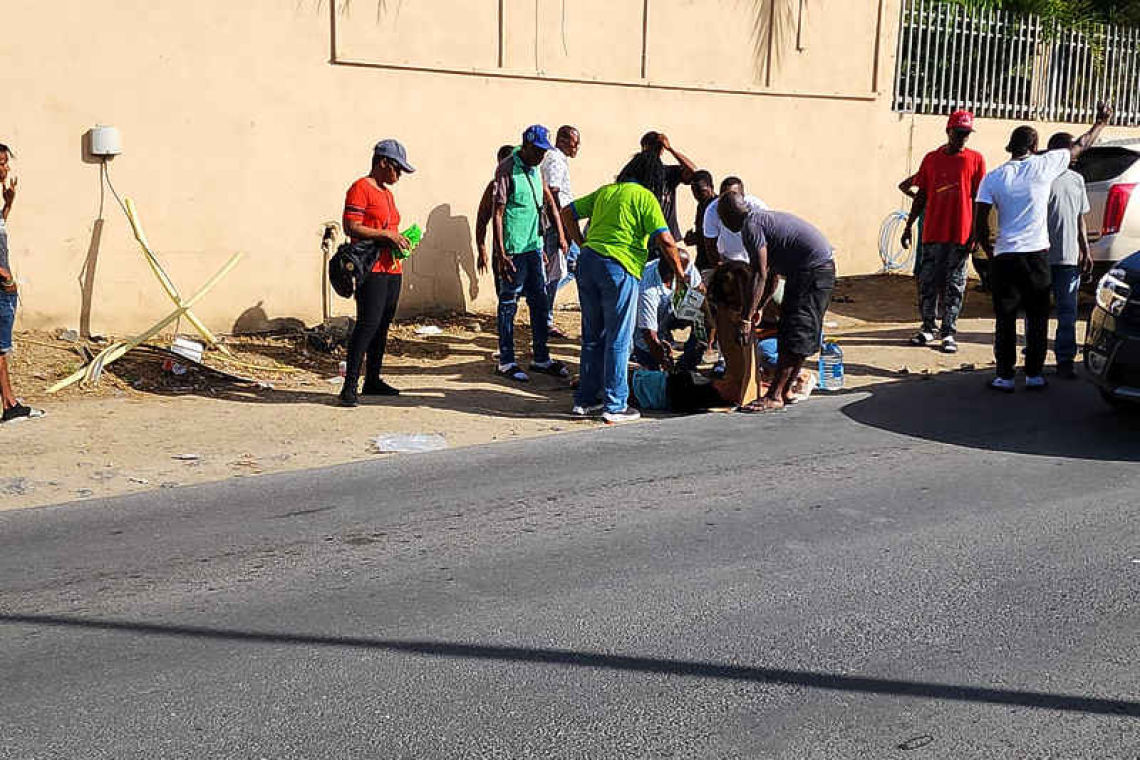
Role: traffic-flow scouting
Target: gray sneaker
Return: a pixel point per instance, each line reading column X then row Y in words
column 625, row 415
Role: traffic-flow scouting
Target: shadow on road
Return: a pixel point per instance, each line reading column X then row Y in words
column 655, row 665
column 1067, row 420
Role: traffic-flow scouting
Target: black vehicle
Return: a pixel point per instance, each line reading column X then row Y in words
column 1112, row 342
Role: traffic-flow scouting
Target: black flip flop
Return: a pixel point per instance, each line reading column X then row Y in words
column 554, row 369
column 513, row 372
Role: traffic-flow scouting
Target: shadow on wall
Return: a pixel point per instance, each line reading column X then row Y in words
column 434, row 274
column 774, row 25
column 86, row 276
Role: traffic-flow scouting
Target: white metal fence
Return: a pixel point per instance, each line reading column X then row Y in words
column 1004, row 65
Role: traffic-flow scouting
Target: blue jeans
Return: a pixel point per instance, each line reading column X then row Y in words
column 7, row 320
column 608, row 295
column 529, row 278
column 1066, row 283
column 691, row 357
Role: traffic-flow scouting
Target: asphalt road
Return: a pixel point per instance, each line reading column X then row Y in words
column 923, row 571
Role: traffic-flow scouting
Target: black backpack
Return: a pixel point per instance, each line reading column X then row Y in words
column 351, row 264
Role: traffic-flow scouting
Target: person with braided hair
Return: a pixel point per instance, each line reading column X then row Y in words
column 625, row 217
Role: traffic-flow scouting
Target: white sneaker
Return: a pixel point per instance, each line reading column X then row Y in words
column 587, row 411
column 949, row 345
column 1037, row 383
column 1003, row 385
column 625, row 415
column 922, row 338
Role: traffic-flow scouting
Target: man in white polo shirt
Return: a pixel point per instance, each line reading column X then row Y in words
column 1019, row 262
column 728, row 244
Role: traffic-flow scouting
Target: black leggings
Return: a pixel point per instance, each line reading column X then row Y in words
column 376, row 301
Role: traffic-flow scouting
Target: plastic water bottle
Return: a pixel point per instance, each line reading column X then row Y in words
column 831, row 367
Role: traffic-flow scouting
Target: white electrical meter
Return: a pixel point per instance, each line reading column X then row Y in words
column 105, row 141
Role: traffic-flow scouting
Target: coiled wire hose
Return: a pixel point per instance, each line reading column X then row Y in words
column 895, row 257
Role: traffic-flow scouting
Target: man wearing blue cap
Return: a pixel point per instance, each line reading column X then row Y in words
column 519, row 194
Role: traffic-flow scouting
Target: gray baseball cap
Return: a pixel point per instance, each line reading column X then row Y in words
column 392, row 149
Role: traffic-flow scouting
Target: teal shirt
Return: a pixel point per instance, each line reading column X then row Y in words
column 519, row 188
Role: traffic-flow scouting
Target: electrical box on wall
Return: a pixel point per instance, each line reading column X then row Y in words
column 105, row 141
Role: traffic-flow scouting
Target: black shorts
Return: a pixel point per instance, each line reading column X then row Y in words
column 807, row 293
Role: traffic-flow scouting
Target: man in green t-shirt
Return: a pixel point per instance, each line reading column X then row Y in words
column 518, row 193
column 624, row 218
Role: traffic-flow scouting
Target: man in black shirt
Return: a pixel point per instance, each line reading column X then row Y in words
column 680, row 173
column 704, row 193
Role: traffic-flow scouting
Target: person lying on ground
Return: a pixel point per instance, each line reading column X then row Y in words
column 1019, row 260
column 681, row 173
column 722, row 243
column 677, row 391
column 14, row 409
column 519, row 196
column 486, row 211
column 657, row 318
column 782, row 244
column 624, row 217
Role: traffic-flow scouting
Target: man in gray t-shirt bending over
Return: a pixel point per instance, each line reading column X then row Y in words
column 782, row 245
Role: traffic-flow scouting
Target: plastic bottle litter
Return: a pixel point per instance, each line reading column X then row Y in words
column 407, row 443
column 428, row 330
column 831, row 367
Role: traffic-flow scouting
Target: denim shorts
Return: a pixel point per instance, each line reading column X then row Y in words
column 7, row 320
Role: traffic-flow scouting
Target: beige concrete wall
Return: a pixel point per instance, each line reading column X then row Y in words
column 241, row 133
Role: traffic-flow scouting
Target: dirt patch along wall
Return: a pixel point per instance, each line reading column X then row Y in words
column 244, row 123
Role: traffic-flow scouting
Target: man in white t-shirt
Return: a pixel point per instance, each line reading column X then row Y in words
column 656, row 318
column 728, row 244
column 1019, row 260
column 556, row 171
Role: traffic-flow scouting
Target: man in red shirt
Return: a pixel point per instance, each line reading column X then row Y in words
column 947, row 182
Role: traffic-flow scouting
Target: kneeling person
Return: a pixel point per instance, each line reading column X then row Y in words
column 782, row 244
column 657, row 319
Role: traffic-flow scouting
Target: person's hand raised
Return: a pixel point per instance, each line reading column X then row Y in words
column 1104, row 113
column 10, row 190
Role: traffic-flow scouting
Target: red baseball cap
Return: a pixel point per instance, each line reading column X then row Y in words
column 961, row 120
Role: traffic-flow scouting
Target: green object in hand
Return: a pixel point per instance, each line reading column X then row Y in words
column 414, row 235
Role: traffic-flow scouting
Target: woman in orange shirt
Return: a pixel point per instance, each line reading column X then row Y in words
column 370, row 214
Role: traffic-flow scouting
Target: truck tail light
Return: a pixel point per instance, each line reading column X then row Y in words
column 1114, row 208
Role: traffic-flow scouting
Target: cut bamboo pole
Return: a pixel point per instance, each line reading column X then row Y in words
column 117, row 351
